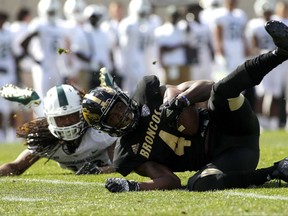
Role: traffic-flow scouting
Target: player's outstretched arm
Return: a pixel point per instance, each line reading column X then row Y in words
column 161, row 179
column 20, row 165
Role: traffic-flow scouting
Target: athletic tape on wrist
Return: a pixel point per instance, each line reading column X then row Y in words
column 186, row 99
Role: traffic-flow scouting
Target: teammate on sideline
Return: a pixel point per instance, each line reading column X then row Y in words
column 223, row 145
column 63, row 136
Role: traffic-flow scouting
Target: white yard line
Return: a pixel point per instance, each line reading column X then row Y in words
column 230, row 193
column 52, row 181
column 254, row 195
column 25, row 199
column 21, row 199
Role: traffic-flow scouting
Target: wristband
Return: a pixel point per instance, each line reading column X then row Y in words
column 134, row 186
column 186, row 100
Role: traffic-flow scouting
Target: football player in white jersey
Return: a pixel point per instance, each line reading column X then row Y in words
column 200, row 39
column 7, row 74
column 171, row 40
column 116, row 12
column 230, row 45
column 95, row 51
column 73, row 11
column 210, row 8
column 48, row 31
column 269, row 91
column 62, row 135
column 19, row 29
column 136, row 36
column 281, row 14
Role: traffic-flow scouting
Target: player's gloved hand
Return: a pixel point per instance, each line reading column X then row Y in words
column 121, row 185
column 32, row 138
column 37, row 138
column 88, row 168
column 170, row 110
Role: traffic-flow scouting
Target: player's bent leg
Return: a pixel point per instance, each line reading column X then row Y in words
column 247, row 75
column 236, row 103
column 209, row 178
column 234, row 115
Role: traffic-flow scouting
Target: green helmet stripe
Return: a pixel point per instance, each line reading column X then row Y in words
column 61, row 96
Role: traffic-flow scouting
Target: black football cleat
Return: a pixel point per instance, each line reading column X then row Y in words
column 279, row 33
column 281, row 170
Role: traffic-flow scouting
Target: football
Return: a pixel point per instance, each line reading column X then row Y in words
column 188, row 121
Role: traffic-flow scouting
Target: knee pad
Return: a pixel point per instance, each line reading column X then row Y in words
column 236, row 103
column 204, row 180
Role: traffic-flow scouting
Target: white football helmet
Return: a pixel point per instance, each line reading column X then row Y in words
column 73, row 9
column 211, row 3
column 99, row 11
column 139, row 8
column 262, row 6
column 49, row 9
column 62, row 108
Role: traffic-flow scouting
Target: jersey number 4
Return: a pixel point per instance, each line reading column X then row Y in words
column 176, row 143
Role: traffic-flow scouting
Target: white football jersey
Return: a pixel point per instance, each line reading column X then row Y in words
column 93, row 148
column 271, row 83
column 233, row 25
column 44, row 47
column 75, row 36
column 171, row 35
column 7, row 66
column 7, row 61
column 20, row 30
column 51, row 37
column 255, row 28
column 200, row 39
column 135, row 40
column 97, row 44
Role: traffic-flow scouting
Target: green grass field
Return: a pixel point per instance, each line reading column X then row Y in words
column 45, row 189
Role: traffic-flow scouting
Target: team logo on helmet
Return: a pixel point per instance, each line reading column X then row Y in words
column 91, row 116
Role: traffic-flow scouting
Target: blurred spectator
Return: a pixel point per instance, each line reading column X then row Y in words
column 7, row 75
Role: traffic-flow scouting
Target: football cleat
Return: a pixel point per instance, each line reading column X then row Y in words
column 279, row 33
column 25, row 96
column 281, row 170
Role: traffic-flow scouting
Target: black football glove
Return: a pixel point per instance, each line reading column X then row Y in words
column 171, row 110
column 121, row 185
column 88, row 168
column 38, row 138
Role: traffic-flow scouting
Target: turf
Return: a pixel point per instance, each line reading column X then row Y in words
column 45, row 189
